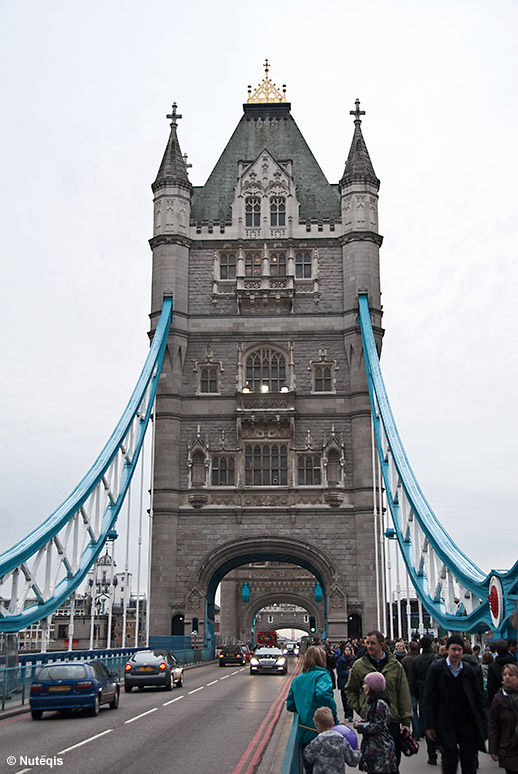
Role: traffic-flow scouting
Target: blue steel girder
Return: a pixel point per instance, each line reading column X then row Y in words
column 451, row 587
column 50, row 563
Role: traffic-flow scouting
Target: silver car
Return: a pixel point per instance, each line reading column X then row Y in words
column 268, row 659
column 152, row 667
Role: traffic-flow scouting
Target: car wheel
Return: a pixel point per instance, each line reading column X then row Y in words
column 36, row 714
column 128, row 688
column 221, row 664
column 115, row 701
column 169, row 686
column 94, row 710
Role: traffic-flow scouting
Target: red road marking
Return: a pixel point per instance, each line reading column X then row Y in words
column 259, row 742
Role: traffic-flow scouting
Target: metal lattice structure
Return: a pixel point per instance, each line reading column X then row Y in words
column 458, row 595
column 52, row 561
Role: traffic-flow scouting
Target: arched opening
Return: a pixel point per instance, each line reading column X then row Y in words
column 354, row 626
column 225, row 558
column 177, row 624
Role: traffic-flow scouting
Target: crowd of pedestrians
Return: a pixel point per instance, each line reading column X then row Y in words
column 456, row 697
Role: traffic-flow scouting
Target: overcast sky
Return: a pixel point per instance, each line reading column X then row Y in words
column 84, row 90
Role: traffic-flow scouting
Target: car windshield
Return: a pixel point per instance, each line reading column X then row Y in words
column 63, row 672
column 148, row 655
column 268, row 652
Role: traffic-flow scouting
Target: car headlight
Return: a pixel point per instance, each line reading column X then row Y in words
column 254, row 662
column 281, row 661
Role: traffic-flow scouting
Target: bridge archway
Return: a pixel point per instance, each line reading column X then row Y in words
column 292, row 599
column 228, row 556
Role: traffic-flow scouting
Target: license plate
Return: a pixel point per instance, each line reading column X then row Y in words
column 146, row 669
column 58, row 688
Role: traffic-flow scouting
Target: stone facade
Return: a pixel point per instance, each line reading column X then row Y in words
column 263, row 432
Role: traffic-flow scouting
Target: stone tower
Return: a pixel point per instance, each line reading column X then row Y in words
column 263, row 432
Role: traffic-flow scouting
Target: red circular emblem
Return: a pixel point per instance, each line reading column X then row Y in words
column 493, row 601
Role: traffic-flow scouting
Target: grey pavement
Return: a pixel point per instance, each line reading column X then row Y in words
column 416, row 764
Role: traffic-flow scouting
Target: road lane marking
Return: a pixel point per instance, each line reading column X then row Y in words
column 212, row 683
column 172, row 701
column 197, row 689
column 224, row 677
column 85, row 741
column 236, row 672
column 141, row 715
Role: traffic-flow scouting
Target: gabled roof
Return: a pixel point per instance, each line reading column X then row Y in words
column 270, row 126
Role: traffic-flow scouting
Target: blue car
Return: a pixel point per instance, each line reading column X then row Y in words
column 83, row 685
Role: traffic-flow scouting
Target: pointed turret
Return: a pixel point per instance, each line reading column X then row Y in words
column 358, row 167
column 173, row 168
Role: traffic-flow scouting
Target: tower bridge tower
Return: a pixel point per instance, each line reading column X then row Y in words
column 263, row 430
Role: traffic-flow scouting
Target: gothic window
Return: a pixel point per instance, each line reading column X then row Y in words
column 253, row 264
column 209, row 378
column 253, row 212
column 309, row 472
column 278, row 264
column 303, row 265
column 278, row 211
column 227, row 266
column 265, row 371
column 222, row 470
column 266, row 464
column 323, row 378
column 334, row 474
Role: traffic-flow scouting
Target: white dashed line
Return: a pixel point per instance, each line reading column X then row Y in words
column 224, row 677
column 141, row 715
column 212, row 683
column 197, row 689
column 172, row 701
column 235, row 673
column 85, row 741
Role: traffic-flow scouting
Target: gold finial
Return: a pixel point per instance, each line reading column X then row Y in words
column 267, row 91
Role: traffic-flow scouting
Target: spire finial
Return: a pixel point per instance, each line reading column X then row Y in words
column 174, row 116
column 267, row 91
column 357, row 113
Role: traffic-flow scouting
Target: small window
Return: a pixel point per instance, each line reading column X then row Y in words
column 227, row 266
column 198, row 469
column 303, row 265
column 253, row 264
column 278, row 211
column 223, row 471
column 334, row 474
column 209, row 379
column 323, row 378
column 278, row 264
column 309, row 470
column 253, row 212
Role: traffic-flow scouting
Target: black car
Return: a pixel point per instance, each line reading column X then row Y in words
column 152, row 667
column 232, row 655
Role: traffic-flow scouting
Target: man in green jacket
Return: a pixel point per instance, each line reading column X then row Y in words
column 380, row 659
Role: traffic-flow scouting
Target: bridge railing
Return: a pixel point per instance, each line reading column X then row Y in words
column 292, row 761
column 455, row 592
column 15, row 680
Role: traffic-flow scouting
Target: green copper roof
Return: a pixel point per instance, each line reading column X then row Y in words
column 270, row 126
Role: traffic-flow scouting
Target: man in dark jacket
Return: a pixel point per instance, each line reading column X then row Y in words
column 454, row 709
column 494, row 673
column 421, row 665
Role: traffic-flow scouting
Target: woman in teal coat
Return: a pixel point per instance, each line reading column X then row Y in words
column 309, row 691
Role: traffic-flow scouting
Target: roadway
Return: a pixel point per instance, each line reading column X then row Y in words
column 218, row 723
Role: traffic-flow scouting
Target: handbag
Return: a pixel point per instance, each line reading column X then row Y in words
column 408, row 745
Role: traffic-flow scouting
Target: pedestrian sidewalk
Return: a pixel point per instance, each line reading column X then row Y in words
column 416, row 764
